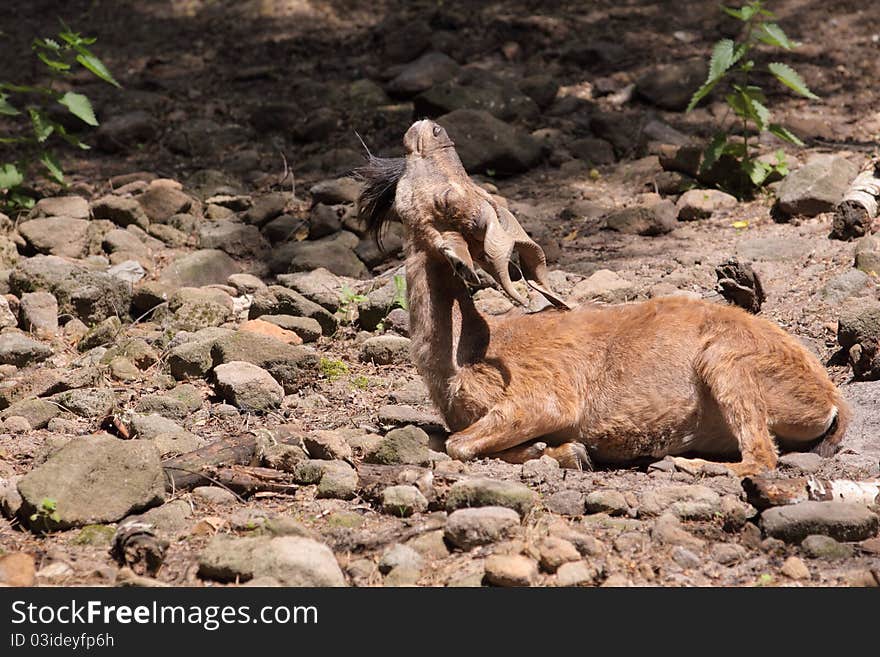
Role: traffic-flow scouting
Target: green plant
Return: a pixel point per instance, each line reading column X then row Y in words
column 60, row 59
column 360, row 382
column 46, row 514
column 348, row 303
column 731, row 63
column 332, row 369
column 400, row 292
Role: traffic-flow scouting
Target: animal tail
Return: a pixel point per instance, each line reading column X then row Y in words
column 830, row 442
column 380, row 176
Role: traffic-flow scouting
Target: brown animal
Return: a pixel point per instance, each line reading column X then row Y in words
column 613, row 385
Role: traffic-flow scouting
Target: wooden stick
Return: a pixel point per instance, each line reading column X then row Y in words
column 185, row 472
column 764, row 492
column 246, row 480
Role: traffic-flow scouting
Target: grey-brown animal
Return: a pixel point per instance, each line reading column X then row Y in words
column 609, row 385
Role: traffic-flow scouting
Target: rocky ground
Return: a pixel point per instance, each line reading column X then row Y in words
column 192, row 285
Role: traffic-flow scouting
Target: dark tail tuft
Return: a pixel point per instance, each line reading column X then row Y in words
column 830, row 443
column 376, row 202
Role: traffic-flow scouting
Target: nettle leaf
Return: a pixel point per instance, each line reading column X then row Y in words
column 6, row 107
column 80, row 107
column 70, row 139
column 723, row 57
column 791, row 79
column 743, row 13
column 757, row 171
column 772, row 35
column 96, row 66
column 54, row 64
column 10, row 176
column 53, row 167
column 48, row 44
column 785, row 134
column 41, row 124
column 713, row 151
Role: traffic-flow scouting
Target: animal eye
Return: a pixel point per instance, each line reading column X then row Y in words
column 437, row 130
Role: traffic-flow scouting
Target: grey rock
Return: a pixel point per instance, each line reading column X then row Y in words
column 94, row 480
column 611, row 502
column 118, row 240
column 338, row 481
column 265, row 208
column 685, row 558
column 576, row 573
column 867, row 255
column 407, row 445
column 199, row 268
column 816, row 187
column 805, row 462
column 728, row 553
column 470, row 528
column 327, row 445
column 124, row 132
column 403, row 501
column 595, row 152
column 162, row 200
column 320, row 286
column 247, row 386
column 171, row 518
column 213, row 495
column 7, row 317
column 282, row 229
column 20, row 350
column 685, row 502
column 817, row 546
column 474, row 89
column 103, row 333
column 401, row 414
column 38, row 412
column 193, row 359
column 481, row 491
column 147, row 427
column 566, row 503
column 121, row 210
column 278, row 300
column 430, row 69
column 483, row 142
column 605, row 285
column 671, row 86
column 646, row 220
column 336, row 191
column 60, row 236
column 290, row 365
column 858, row 334
column 385, row 350
column 291, row 560
column 379, row 303
column 335, row 253
column 703, row 203
column 851, row 283
column 61, row 206
column 88, row 402
column 39, row 312
column 88, row 295
column 325, row 220
column 843, row 521
column 237, row 239
column 246, row 283
column 773, row 249
column 400, row 555
column 668, row 530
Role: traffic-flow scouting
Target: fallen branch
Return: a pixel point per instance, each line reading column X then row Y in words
column 188, row 470
column 859, row 206
column 247, row 480
column 764, row 492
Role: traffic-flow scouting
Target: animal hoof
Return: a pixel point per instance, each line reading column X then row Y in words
column 456, row 449
column 571, row 455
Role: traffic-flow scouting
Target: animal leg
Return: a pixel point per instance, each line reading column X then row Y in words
column 570, row 455
column 505, row 426
column 739, row 396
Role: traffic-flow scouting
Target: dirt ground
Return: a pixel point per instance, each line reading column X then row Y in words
column 231, row 63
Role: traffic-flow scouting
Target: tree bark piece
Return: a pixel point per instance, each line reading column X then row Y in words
column 137, row 546
column 764, row 492
column 187, row 471
column 859, row 206
column 246, row 480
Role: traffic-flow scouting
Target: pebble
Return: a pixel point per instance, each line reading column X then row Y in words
column 470, row 528
column 509, row 570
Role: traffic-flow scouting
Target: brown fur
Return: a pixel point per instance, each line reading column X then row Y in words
column 669, row 376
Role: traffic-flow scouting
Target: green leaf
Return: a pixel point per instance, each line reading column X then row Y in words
column 48, row 44
column 54, row 64
column 79, row 106
column 790, row 78
column 53, row 167
column 721, row 60
column 713, row 151
column 701, row 93
column 735, row 148
column 70, row 139
column 96, row 66
column 10, row 176
column 743, row 14
column 757, row 171
column 772, row 34
column 6, row 107
column 785, row 134
column 42, row 126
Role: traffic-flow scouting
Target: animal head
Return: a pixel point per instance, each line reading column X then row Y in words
column 447, row 214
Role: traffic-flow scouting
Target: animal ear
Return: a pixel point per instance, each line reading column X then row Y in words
column 455, row 249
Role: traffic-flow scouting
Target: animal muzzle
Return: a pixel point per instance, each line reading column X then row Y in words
column 503, row 236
